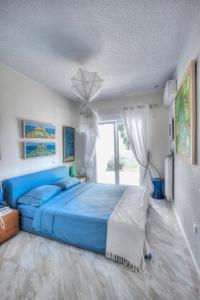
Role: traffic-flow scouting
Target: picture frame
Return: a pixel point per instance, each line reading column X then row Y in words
column 38, row 130
column 68, row 144
column 39, row 149
column 185, row 116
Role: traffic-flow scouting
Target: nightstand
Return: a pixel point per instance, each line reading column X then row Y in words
column 11, row 221
column 82, row 179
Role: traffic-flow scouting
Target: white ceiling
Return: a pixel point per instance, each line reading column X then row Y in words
column 133, row 44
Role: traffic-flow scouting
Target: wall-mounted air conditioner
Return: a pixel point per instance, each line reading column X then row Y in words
column 169, row 92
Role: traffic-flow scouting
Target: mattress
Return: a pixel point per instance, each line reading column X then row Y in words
column 26, row 211
column 26, row 224
column 79, row 216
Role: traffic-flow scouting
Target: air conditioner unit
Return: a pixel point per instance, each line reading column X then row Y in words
column 169, row 92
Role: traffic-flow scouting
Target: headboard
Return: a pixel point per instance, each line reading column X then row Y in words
column 15, row 187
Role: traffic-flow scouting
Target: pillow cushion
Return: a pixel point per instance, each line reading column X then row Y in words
column 67, row 182
column 39, row 195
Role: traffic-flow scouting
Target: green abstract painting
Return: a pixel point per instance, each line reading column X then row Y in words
column 183, row 119
column 185, row 116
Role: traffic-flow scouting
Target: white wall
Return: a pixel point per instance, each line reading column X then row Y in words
column 159, row 123
column 187, row 176
column 23, row 98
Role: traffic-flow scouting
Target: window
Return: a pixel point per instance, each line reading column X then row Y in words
column 115, row 160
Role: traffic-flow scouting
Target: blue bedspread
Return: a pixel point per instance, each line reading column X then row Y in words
column 27, row 211
column 79, row 215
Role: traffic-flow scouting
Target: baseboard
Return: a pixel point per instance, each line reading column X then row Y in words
column 187, row 242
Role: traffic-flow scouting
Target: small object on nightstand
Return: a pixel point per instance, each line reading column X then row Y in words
column 9, row 224
column 82, row 179
column 72, row 171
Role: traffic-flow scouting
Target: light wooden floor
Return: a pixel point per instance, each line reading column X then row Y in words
column 33, row 267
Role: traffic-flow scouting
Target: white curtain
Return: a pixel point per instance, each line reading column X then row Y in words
column 88, row 125
column 136, row 120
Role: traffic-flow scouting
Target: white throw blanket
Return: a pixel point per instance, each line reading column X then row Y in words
column 126, row 242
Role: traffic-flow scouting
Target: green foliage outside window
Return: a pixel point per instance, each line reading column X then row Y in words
column 123, row 135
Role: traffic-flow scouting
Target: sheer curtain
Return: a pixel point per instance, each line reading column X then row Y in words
column 88, row 125
column 136, row 120
column 86, row 85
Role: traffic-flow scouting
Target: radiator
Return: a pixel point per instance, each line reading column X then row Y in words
column 169, row 178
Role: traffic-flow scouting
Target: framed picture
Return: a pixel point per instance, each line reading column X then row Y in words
column 36, row 149
column 68, row 144
column 185, row 116
column 34, row 130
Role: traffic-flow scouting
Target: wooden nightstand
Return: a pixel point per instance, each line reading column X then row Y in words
column 82, row 179
column 11, row 221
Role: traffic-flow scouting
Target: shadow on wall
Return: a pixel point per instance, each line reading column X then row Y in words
column 80, row 146
column 19, row 127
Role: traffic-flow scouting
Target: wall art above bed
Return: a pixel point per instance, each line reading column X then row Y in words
column 68, row 144
column 34, row 129
column 185, row 116
column 39, row 149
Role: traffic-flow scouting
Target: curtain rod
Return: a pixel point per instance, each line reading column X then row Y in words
column 121, row 108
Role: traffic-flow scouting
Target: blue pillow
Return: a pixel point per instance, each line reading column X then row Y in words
column 67, row 182
column 39, row 195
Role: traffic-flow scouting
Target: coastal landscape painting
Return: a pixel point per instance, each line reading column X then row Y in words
column 68, row 144
column 185, row 117
column 32, row 129
column 35, row 149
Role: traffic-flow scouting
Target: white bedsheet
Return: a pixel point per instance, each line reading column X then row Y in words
column 126, row 242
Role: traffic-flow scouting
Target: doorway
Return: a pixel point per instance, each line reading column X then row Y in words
column 115, row 162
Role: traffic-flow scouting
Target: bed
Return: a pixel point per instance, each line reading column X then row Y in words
column 82, row 212
column 77, row 216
